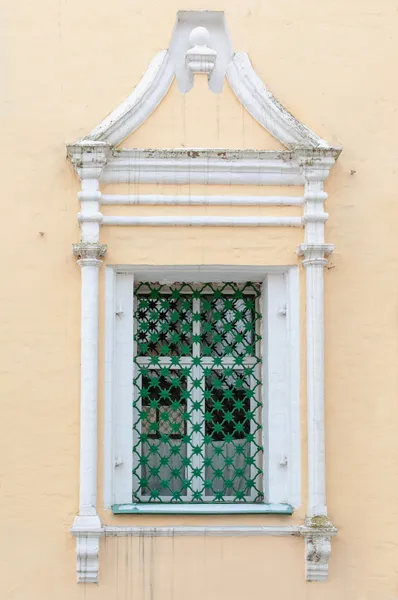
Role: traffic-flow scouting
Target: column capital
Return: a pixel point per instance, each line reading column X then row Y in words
column 89, row 253
column 89, row 157
column 316, row 163
column 315, row 254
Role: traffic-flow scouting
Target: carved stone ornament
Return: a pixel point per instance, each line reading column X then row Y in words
column 318, row 532
column 315, row 254
column 200, row 58
column 317, row 552
column 88, row 250
column 89, row 157
column 87, row 529
column 87, row 558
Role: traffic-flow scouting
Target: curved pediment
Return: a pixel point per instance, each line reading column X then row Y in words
column 200, row 44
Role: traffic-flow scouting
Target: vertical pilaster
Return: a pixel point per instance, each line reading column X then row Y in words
column 89, row 263
column 88, row 160
column 315, row 252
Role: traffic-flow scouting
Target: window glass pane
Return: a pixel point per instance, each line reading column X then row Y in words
column 164, row 324
column 232, row 434
column 228, row 324
column 197, row 408
column 161, row 455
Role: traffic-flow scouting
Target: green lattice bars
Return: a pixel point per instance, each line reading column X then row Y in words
column 197, row 434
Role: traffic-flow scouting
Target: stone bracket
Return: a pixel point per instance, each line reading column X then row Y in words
column 318, row 533
column 87, row 530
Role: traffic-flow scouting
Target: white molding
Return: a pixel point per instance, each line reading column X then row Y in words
column 164, row 200
column 274, row 389
column 204, row 530
column 199, row 273
column 293, row 362
column 281, row 359
column 144, row 99
column 122, row 383
column 87, row 530
column 204, row 166
column 123, row 389
column 109, row 368
column 261, row 104
column 213, row 166
column 203, row 221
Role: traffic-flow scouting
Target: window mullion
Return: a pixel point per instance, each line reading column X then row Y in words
column 197, row 415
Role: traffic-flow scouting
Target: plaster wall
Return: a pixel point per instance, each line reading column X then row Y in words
column 65, row 65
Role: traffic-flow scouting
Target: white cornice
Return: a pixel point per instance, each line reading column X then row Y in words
column 213, row 166
column 216, row 166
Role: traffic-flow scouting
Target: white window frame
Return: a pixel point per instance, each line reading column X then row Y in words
column 280, row 384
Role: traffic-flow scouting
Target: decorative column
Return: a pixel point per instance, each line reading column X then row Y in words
column 88, row 159
column 318, row 527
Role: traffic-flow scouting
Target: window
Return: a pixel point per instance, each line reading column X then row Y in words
column 197, row 434
column 202, row 390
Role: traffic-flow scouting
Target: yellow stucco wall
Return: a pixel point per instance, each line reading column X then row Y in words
column 64, row 66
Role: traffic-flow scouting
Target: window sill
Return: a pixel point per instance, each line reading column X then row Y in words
column 201, row 509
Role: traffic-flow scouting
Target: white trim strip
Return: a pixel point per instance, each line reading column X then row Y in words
column 205, row 221
column 213, row 530
column 151, row 199
column 110, row 282
column 124, row 376
column 293, row 333
column 199, row 273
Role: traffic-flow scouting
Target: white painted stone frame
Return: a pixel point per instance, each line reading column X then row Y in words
column 307, row 161
column 280, row 377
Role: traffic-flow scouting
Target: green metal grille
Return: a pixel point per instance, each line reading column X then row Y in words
column 197, row 433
